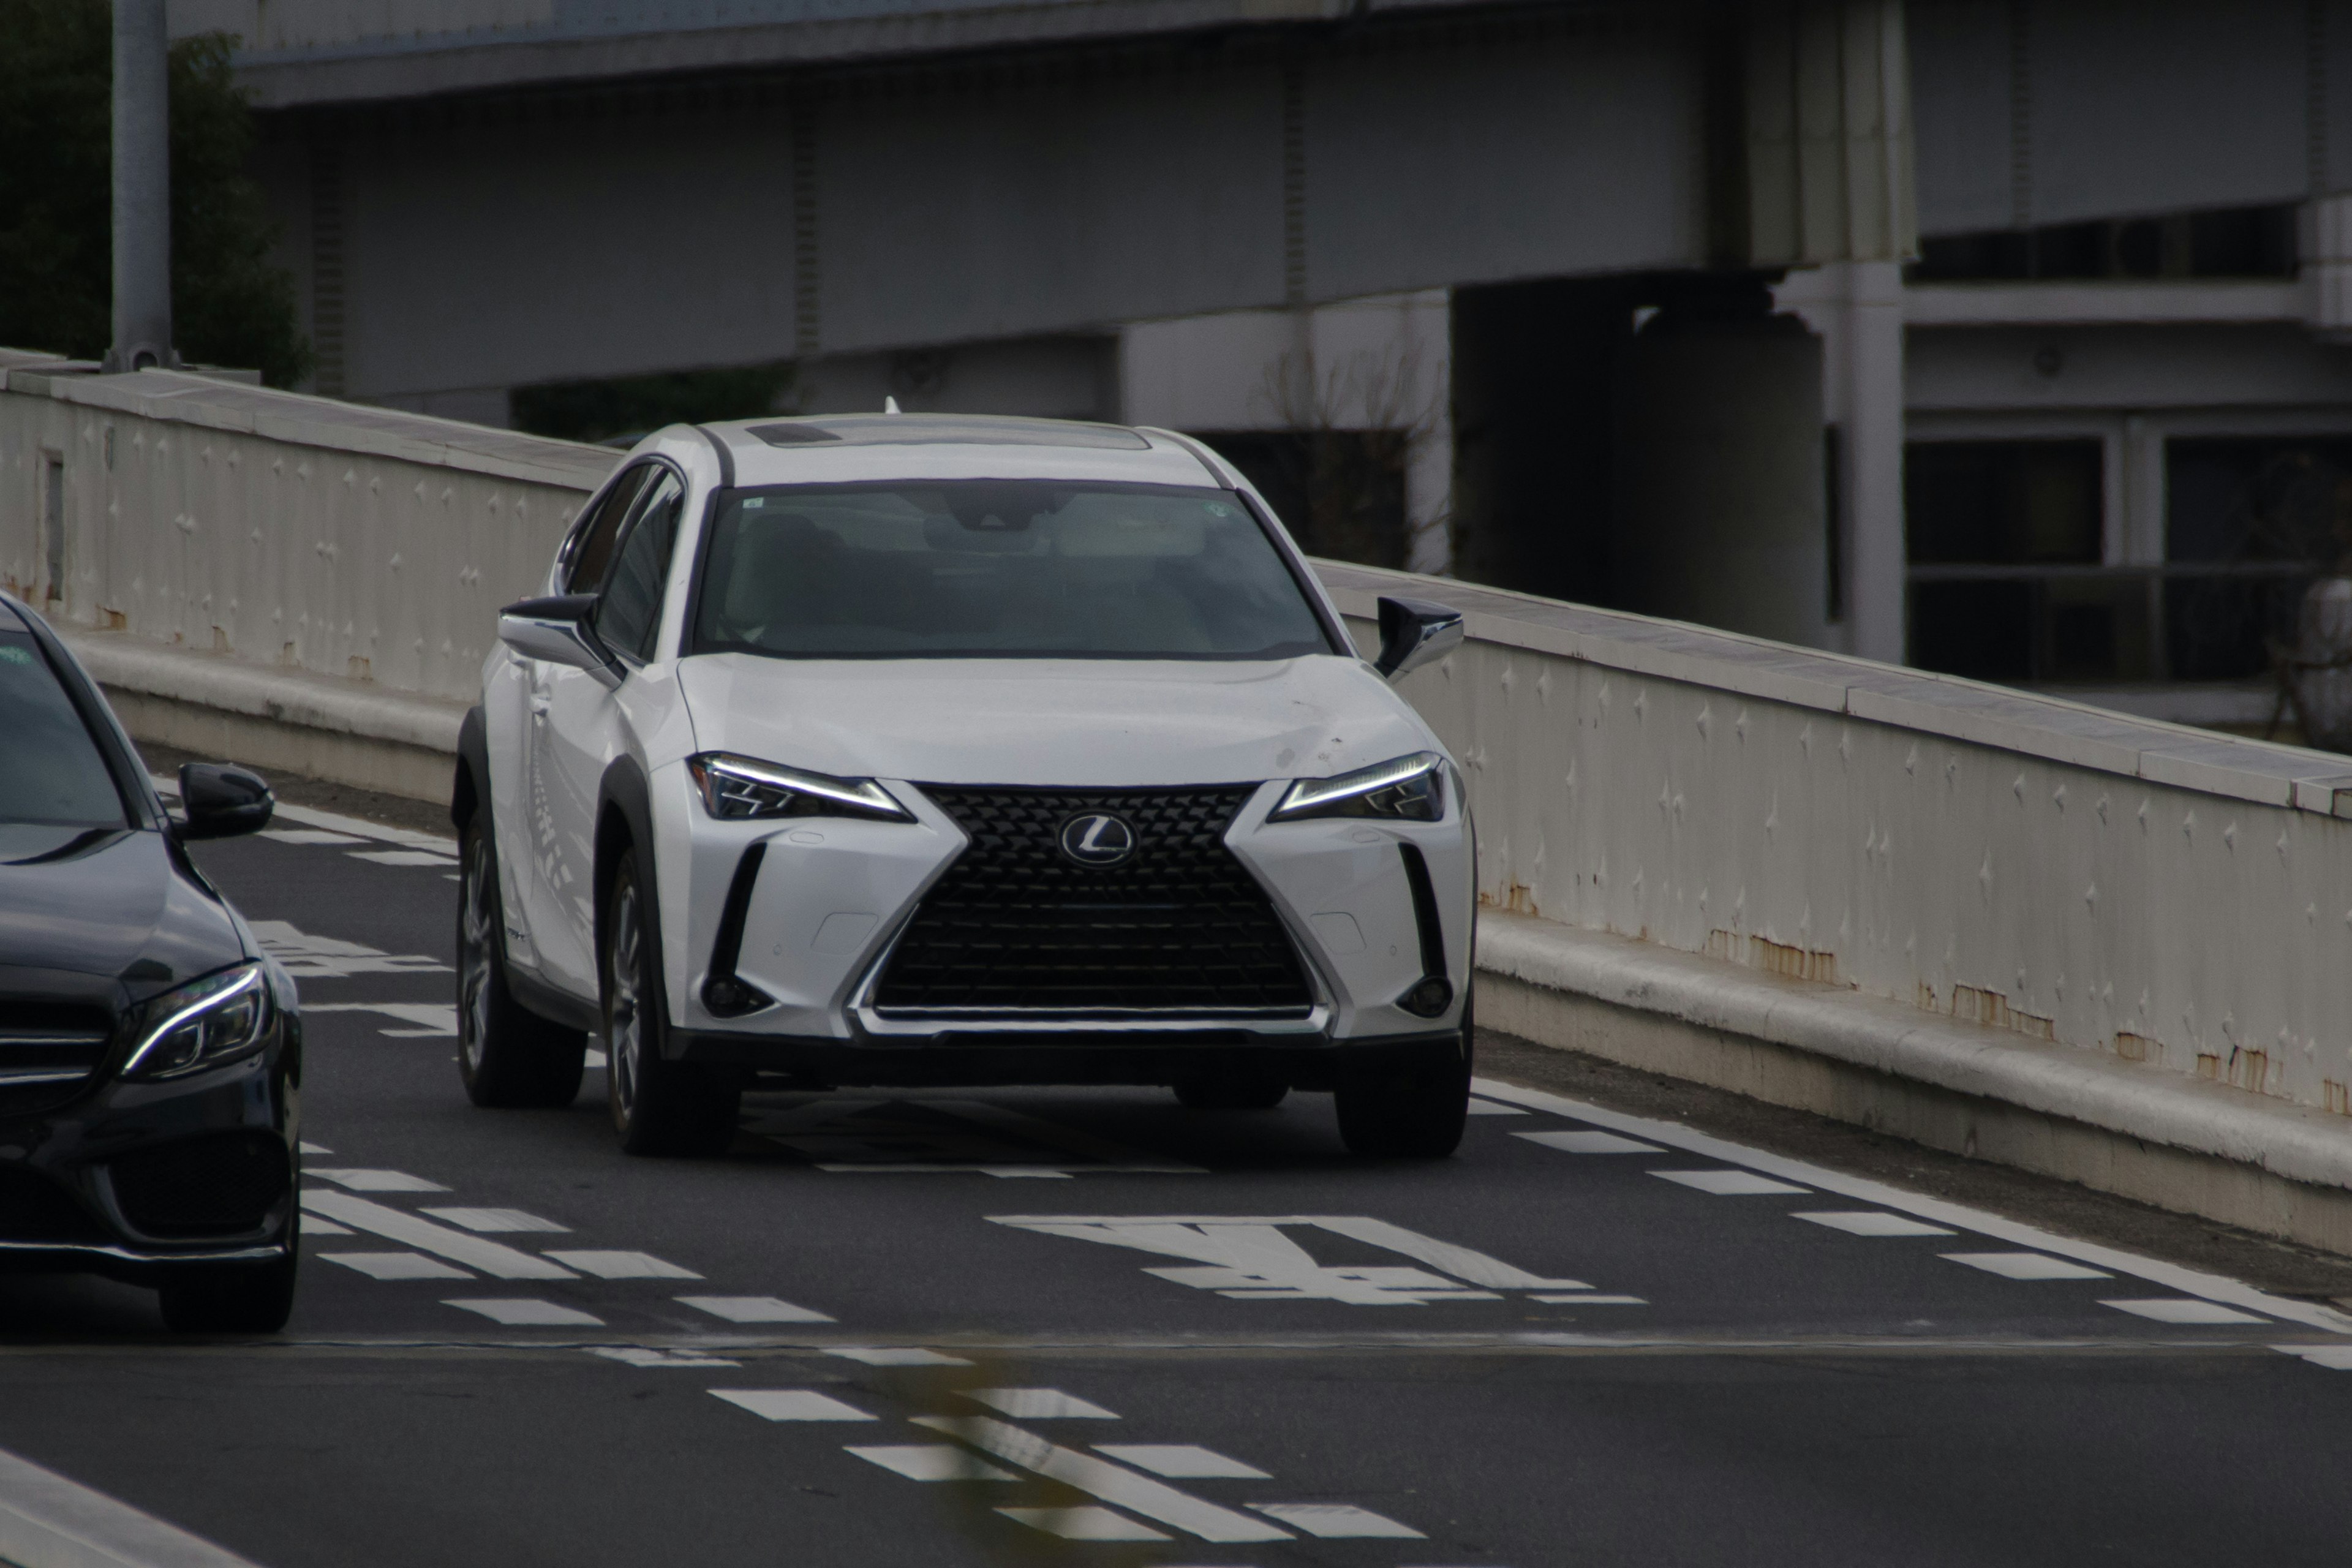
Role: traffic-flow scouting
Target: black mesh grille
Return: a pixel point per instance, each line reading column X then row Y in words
column 34, row 1208
column 1179, row 927
column 41, row 1041
column 224, row 1185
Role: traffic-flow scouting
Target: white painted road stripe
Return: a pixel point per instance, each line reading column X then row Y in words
column 623, row 1265
column 2026, row 1266
column 494, row 1258
column 1727, row 1184
column 1038, row 1404
column 2335, row 1358
column 931, row 1462
column 496, row 1222
column 647, row 1355
column 2172, row 1276
column 1182, row 1461
column 1590, row 1142
column 2176, row 1310
column 792, row 1405
column 375, row 1181
column 48, row 1522
column 752, row 1310
column 526, row 1312
column 1085, row 1522
column 395, row 1265
column 1869, row 1222
column 896, row 1356
column 1337, row 1521
column 1113, row 1484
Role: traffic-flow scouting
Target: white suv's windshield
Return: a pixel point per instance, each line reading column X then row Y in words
column 997, row 569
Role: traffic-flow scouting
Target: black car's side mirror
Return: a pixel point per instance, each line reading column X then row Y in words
column 1414, row 631
column 557, row 630
column 220, row 800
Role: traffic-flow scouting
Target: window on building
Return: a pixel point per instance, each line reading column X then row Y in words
column 1340, row 492
column 2247, row 524
column 2004, row 542
column 2226, row 242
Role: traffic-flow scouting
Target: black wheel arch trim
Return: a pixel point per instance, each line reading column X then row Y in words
column 624, row 819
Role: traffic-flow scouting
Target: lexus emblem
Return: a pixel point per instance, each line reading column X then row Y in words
column 1097, row 838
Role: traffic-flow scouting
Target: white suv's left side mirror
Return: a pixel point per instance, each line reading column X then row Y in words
column 557, row 630
column 1414, row 631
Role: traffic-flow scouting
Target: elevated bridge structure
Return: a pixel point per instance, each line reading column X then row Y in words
column 2114, row 949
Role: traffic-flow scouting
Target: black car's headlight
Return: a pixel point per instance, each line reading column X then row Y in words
column 1409, row 789
column 740, row 789
column 201, row 1025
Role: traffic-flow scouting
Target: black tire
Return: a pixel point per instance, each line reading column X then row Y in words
column 1232, row 1090
column 507, row 1056
column 659, row 1106
column 233, row 1297
column 1409, row 1107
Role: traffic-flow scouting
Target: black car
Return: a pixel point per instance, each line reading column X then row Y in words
column 150, row 1051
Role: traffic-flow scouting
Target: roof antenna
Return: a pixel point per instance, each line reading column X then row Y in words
column 889, row 404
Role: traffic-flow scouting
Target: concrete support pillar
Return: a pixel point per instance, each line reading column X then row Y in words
column 1721, row 498
column 1856, row 308
column 142, row 189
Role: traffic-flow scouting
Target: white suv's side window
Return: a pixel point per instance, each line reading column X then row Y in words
column 630, row 612
column 585, row 555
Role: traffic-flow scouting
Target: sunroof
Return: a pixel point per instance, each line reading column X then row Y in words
column 946, row 429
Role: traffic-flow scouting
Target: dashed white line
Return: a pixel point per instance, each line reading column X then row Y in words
column 896, row 1356
column 1085, row 1522
column 1113, row 1484
column 931, row 1462
column 752, row 1309
column 1590, row 1142
column 494, row 1258
column 1182, row 1461
column 2026, row 1266
column 623, row 1265
column 1038, row 1404
column 647, row 1355
column 2178, row 1309
column 395, row 1265
column 1871, row 1222
column 790, row 1405
column 1727, row 1184
column 361, row 1181
column 1337, row 1521
column 496, row 1222
column 525, row 1312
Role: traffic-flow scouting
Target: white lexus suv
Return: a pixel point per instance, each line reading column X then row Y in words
column 906, row 749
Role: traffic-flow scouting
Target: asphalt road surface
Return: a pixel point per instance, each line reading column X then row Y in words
column 1093, row 1328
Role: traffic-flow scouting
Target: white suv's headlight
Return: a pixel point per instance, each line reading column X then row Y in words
column 203, row 1024
column 740, row 789
column 1409, row 789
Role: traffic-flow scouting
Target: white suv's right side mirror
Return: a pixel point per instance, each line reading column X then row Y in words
column 557, row 630
column 1414, row 631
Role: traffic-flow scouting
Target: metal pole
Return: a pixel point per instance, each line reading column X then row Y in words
column 142, row 189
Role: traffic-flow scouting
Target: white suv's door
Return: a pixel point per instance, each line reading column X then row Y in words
column 586, row 723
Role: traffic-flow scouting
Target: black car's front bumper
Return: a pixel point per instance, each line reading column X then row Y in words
column 135, row 1180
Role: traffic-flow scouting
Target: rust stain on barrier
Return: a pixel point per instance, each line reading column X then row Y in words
column 2137, row 1047
column 112, row 620
column 2249, row 1069
column 1974, row 1004
column 1773, row 957
column 1516, row 897
column 2208, row 1065
column 2338, row 1098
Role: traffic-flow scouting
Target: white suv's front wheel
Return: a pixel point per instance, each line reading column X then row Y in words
column 659, row 1106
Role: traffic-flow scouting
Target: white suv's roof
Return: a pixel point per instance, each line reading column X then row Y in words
column 847, row 448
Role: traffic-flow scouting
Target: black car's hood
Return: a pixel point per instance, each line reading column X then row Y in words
column 121, row 907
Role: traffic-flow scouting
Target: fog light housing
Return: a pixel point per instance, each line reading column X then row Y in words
column 1429, row 997
column 730, row 998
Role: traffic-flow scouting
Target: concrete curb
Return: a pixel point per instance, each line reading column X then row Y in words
column 2182, row 1144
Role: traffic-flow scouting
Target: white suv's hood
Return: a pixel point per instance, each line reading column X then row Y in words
column 1075, row 722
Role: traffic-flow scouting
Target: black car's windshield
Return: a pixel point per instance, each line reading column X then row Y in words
column 51, row 772
column 998, row 569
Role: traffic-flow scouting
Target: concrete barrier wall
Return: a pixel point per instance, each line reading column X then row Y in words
column 274, row 530
column 2172, row 898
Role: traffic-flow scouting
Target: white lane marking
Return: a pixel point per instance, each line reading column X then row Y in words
column 403, row 857
column 647, row 1355
column 593, row 1059
column 309, row 835
column 524, row 1313
column 1591, row 1300
column 1038, row 1404
column 1249, row 1256
column 492, row 1258
column 2177, row 1310
column 1083, row 1523
column 369, row 1181
column 896, row 1356
column 931, row 1462
column 1590, row 1142
column 314, row 1228
column 792, row 1405
column 309, row 957
column 1337, row 1521
column 1869, row 1222
column 2025, row 1266
column 1493, row 1108
column 395, row 1265
column 948, row 1136
column 752, row 1310
column 1113, row 1484
column 2335, row 1358
column 623, row 1265
column 2172, row 1276
column 426, row 1020
column 1727, row 1184
column 316, row 1149
column 1182, row 1461
column 50, row 1522
column 496, row 1222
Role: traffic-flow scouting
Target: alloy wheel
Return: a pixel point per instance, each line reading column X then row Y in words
column 624, row 1030
column 474, row 937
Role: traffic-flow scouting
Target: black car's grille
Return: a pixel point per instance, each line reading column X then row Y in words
column 1180, row 927
column 34, row 1208
column 48, row 1051
column 222, row 1185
